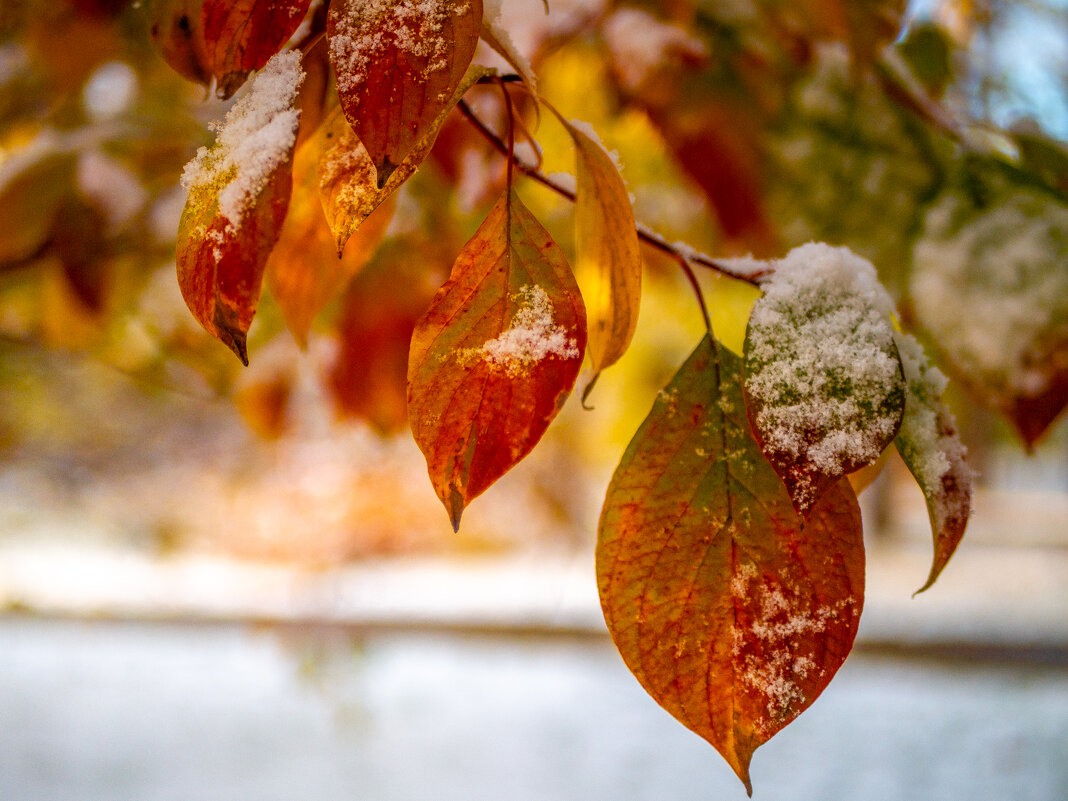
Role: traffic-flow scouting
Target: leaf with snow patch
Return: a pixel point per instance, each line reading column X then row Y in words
column 241, row 35
column 176, row 29
column 495, row 355
column 824, row 384
column 497, row 37
column 932, row 451
column 347, row 183
column 238, row 196
column 990, row 285
column 732, row 614
column 607, row 255
column 398, row 64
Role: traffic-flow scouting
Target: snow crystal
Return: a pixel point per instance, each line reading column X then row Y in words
column 820, row 359
column 366, row 29
column 254, row 139
column 532, row 336
column 993, row 290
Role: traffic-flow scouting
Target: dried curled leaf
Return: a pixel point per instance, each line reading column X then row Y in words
column 824, row 384
column 238, row 196
column 607, row 255
column 398, row 64
column 347, row 183
column 732, row 615
column 495, row 355
column 990, row 286
column 931, row 449
column 241, row 35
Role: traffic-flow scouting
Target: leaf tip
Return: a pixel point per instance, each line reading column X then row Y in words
column 589, row 388
column 455, row 506
column 237, row 342
column 384, row 170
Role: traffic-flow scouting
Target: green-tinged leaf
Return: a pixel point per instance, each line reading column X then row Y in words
column 607, row 257
column 238, row 196
column 241, row 35
column 347, row 184
column 398, row 65
column 824, row 385
column 731, row 614
column 990, row 285
column 495, row 355
column 932, row 451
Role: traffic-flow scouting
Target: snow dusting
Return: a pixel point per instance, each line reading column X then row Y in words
column 254, row 139
column 820, row 360
column 993, row 288
column 532, row 337
column 365, row 30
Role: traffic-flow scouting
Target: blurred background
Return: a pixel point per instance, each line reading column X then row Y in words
column 229, row 583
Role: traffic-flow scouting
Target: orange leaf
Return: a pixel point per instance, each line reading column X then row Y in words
column 238, row 196
column 241, row 35
column 606, row 251
column 178, row 34
column 495, row 355
column 731, row 614
column 398, row 65
column 347, row 175
column 304, row 271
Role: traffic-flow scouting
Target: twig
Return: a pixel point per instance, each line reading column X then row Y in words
column 684, row 256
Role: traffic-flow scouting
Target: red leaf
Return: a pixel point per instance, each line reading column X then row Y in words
column 241, row 35
column 177, row 32
column 732, row 615
column 397, row 65
column 238, row 197
column 495, row 355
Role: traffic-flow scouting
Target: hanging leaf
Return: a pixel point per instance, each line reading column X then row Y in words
column 238, row 196
column 606, row 250
column 178, row 33
column 989, row 285
column 497, row 37
column 495, row 355
column 732, row 615
column 398, row 65
column 824, row 385
column 304, row 271
column 347, row 175
column 241, row 35
column 932, row 451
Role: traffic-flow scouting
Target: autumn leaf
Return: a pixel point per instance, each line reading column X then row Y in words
column 989, row 285
column 398, row 65
column 495, row 355
column 304, row 271
column 607, row 255
column 347, row 184
column 178, row 33
column 931, row 449
column 824, row 384
column 497, row 37
column 732, row 615
column 238, row 196
column 241, row 35
column 33, row 187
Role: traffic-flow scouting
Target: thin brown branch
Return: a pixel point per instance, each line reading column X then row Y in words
column 683, row 254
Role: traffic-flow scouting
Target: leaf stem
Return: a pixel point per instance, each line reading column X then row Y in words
column 692, row 278
column 684, row 255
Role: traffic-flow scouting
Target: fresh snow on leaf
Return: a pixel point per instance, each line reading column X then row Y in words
column 932, row 451
column 993, row 289
column 256, row 136
column 532, row 336
column 823, row 375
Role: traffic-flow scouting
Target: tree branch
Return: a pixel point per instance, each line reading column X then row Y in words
column 681, row 253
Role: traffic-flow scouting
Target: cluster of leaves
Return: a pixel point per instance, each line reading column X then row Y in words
column 730, row 560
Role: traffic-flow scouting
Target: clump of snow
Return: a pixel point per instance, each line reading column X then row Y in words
column 256, row 137
column 364, row 30
column 820, row 360
column 641, row 44
column 532, row 336
column 993, row 288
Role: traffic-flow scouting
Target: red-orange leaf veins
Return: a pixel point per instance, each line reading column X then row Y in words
column 732, row 615
column 495, row 355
